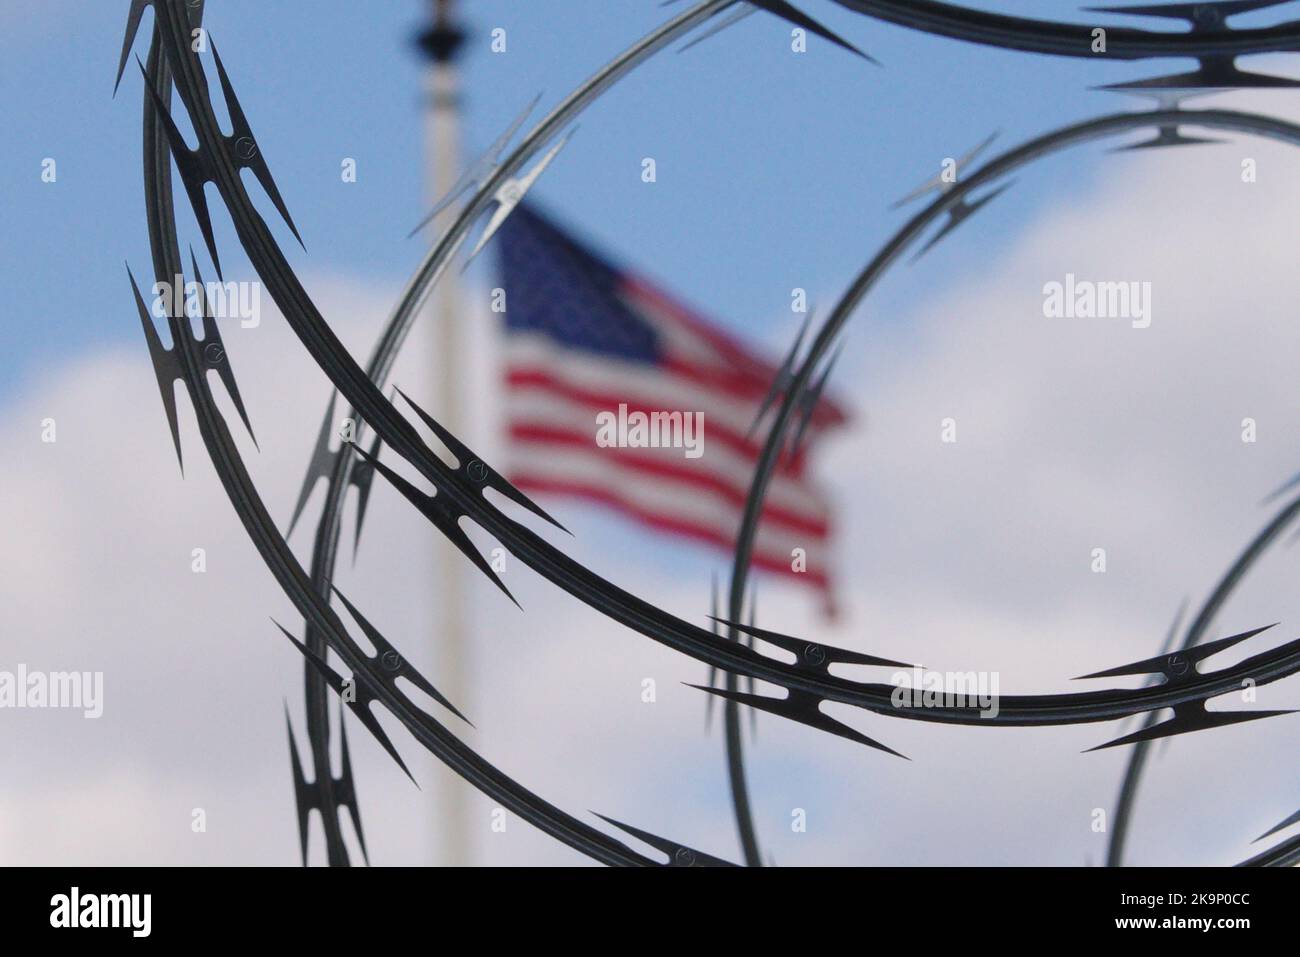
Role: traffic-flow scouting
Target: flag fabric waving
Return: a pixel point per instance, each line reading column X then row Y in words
column 587, row 348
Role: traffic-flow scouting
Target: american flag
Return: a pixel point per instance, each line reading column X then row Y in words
column 584, row 338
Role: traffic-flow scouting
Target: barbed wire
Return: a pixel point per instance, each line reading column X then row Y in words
column 801, row 388
column 218, row 159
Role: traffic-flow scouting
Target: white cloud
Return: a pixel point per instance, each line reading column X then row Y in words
column 1073, row 434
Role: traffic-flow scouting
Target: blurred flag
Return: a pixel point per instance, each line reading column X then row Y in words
column 585, row 339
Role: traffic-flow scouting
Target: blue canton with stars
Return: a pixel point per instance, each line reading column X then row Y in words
column 558, row 287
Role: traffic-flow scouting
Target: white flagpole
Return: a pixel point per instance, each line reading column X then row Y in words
column 443, row 159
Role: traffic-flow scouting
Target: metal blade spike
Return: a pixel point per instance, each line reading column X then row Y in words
column 166, row 368
column 742, row 11
column 444, row 518
column 450, row 527
column 679, row 855
column 475, row 471
column 215, row 355
column 360, row 707
column 133, row 18
column 244, row 148
column 1179, row 666
column 480, row 170
column 784, row 375
column 412, row 494
column 789, row 12
column 959, row 214
column 937, row 183
column 1213, row 73
column 1202, row 16
column 1286, row 487
column 1286, row 854
column 498, row 146
column 193, row 168
column 393, row 662
column 458, row 189
column 306, row 797
column 345, row 786
column 320, row 466
column 1280, row 826
column 462, row 452
column 801, row 707
column 713, row 670
column 510, row 194
column 811, row 655
column 1164, row 101
column 1209, row 648
column 1188, row 718
column 1167, row 136
column 749, row 642
column 1165, row 647
column 1282, row 653
column 363, row 479
column 808, row 403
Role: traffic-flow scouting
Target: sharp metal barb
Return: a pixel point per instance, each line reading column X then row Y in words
column 808, row 402
column 193, row 169
column 789, row 12
column 802, row 707
column 246, row 150
column 360, row 704
column 1167, row 101
column 1011, row 32
column 811, row 655
column 1279, row 826
column 392, row 661
column 1165, row 648
column 511, row 194
column 679, row 855
column 474, row 472
column 345, row 786
column 1170, row 634
column 959, row 214
column 937, row 183
column 1187, row 718
column 1287, row 486
column 215, row 355
column 749, row 642
column 305, row 796
column 1168, row 136
column 721, row 23
column 481, row 170
column 309, row 796
column 1202, row 16
column 166, row 368
column 713, row 670
column 1214, row 72
column 320, row 466
column 784, row 376
column 443, row 516
column 133, row 18
column 363, row 478
column 1179, row 667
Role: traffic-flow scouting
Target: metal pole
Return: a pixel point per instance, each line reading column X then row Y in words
column 440, row 44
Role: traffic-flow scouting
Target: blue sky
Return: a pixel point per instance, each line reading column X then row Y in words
column 795, row 158
column 774, row 171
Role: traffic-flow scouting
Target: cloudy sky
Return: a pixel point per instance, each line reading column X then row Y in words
column 1072, row 435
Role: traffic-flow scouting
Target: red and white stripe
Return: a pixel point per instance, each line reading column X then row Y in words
column 553, row 396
